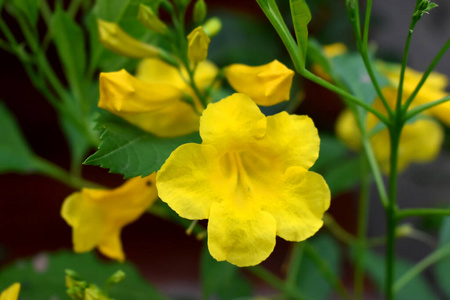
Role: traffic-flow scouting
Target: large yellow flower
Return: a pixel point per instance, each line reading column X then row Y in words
column 11, row 293
column 155, row 99
column 97, row 216
column 250, row 178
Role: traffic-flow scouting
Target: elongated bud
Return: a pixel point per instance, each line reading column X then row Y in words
column 212, row 26
column 199, row 11
column 198, row 43
column 267, row 84
column 150, row 20
column 118, row 41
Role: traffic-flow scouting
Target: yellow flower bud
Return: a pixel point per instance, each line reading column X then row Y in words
column 198, row 43
column 150, row 20
column 118, row 41
column 11, row 293
column 267, row 84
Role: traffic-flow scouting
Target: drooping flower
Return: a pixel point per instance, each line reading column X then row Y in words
column 250, row 178
column 11, row 293
column 267, row 85
column 97, row 216
column 155, row 99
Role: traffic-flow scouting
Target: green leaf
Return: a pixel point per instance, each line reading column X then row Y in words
column 128, row 150
column 69, row 40
column 15, row 153
column 43, row 277
column 221, row 280
column 1, row 4
column 310, row 280
column 30, row 8
column 417, row 288
column 442, row 269
column 317, row 56
column 301, row 16
column 78, row 143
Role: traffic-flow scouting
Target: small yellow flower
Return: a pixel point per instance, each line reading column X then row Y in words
column 267, row 85
column 118, row 41
column 11, row 293
column 198, row 43
column 154, row 99
column 97, row 216
column 250, row 178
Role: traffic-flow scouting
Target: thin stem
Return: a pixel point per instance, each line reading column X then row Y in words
column 73, row 7
column 419, row 109
column 367, row 24
column 336, row 229
column 276, row 282
column 361, row 243
column 404, row 213
column 294, row 264
column 434, row 257
column 426, row 74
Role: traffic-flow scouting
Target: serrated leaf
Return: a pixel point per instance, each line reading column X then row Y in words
column 43, row 277
column 301, row 16
column 15, row 154
column 128, row 150
column 30, row 8
column 222, row 280
column 417, row 288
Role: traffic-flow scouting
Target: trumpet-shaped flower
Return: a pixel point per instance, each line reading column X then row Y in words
column 154, row 99
column 11, row 293
column 267, row 85
column 97, row 216
column 198, row 43
column 250, row 178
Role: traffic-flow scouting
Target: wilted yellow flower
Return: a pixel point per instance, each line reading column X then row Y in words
column 97, row 216
column 267, row 84
column 433, row 89
column 11, row 293
column 250, row 178
column 198, row 43
column 118, row 41
column 154, row 99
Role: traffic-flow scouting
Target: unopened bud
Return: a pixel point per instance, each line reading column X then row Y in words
column 212, row 26
column 198, row 43
column 150, row 20
column 199, row 11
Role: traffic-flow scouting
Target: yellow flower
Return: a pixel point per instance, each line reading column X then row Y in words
column 118, row 41
column 97, row 216
column 250, row 178
column 198, row 43
column 267, row 84
column 11, row 293
column 154, row 99
column 433, row 89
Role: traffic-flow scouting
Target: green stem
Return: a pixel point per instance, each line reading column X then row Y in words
column 361, row 243
column 73, row 7
column 276, row 282
column 49, row 169
column 426, row 74
column 367, row 24
column 294, row 264
column 421, row 108
column 336, row 229
column 434, row 257
column 327, row 273
column 404, row 213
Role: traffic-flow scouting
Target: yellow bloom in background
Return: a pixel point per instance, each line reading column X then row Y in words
column 154, row 99
column 198, row 43
column 11, row 293
column 267, row 85
column 118, row 41
column 97, row 216
column 250, row 178
column 433, row 89
column 330, row 51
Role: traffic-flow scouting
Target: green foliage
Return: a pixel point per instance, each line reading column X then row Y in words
column 15, row 154
column 301, row 16
column 222, row 280
column 442, row 269
column 417, row 288
column 44, row 278
column 29, row 8
column 128, row 150
column 317, row 56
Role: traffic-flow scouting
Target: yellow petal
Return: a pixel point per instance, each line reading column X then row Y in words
column 232, row 121
column 241, row 237
column 118, row 41
column 301, row 202
column 347, row 130
column 267, row 84
column 11, row 293
column 198, row 43
column 186, row 183
column 335, row 49
column 97, row 216
column 155, row 107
